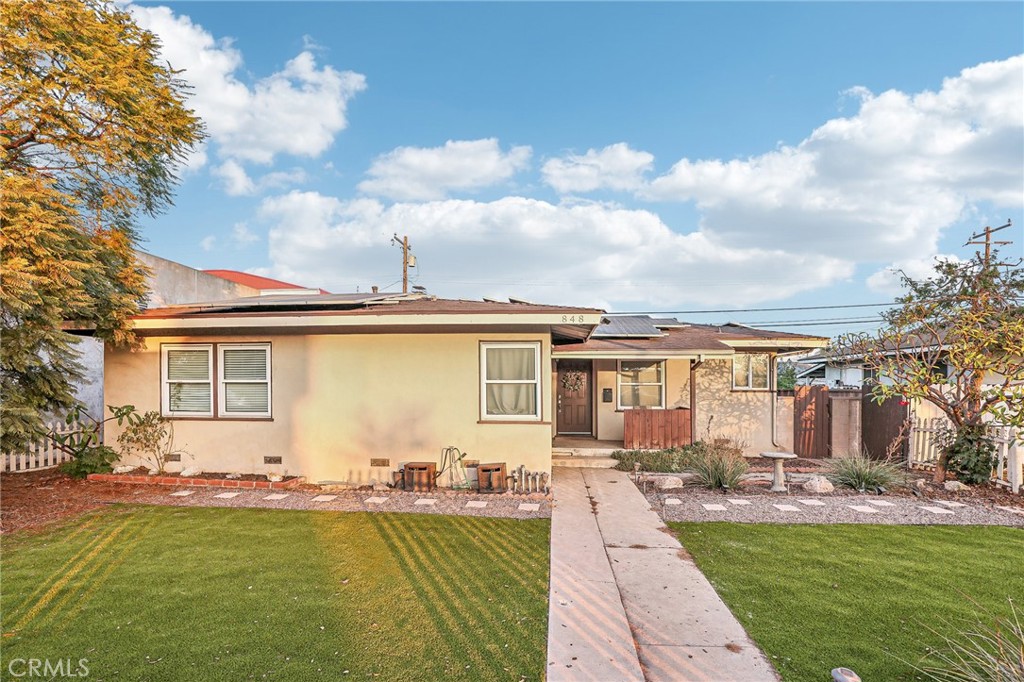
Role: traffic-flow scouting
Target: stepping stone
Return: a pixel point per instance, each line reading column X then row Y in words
column 529, row 506
column 812, row 503
column 786, row 507
column 324, row 498
column 863, row 508
column 183, row 493
column 227, row 496
column 950, row 505
column 740, row 503
column 426, row 501
column 275, row 496
column 881, row 503
column 672, row 501
column 1012, row 510
column 938, row 510
column 476, row 504
column 375, row 500
column 714, row 507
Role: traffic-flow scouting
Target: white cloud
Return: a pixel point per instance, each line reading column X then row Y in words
column 616, row 167
column 887, row 280
column 297, row 110
column 878, row 185
column 242, row 235
column 580, row 254
column 428, row 173
column 236, row 181
column 208, row 243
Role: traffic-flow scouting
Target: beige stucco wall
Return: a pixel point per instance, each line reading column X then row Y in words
column 609, row 417
column 339, row 400
column 744, row 416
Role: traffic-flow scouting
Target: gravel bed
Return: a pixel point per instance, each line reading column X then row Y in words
column 834, row 508
column 447, row 502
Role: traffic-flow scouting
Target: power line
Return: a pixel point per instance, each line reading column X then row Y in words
column 753, row 310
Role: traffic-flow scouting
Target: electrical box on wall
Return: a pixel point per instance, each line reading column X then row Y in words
column 606, row 395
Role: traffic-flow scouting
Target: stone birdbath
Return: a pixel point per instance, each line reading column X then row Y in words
column 778, row 475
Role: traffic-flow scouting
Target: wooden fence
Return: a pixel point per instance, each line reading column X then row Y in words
column 656, row 429
column 42, row 454
column 1009, row 469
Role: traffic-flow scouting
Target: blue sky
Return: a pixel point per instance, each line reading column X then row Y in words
column 639, row 157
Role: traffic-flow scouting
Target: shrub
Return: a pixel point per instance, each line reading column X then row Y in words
column 860, row 472
column 718, row 464
column 668, row 461
column 88, row 454
column 151, row 436
column 95, row 459
column 988, row 650
column 971, row 453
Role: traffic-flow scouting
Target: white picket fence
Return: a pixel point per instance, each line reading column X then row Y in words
column 1009, row 469
column 42, row 454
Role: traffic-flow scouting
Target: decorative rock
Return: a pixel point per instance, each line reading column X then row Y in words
column 190, row 472
column 233, row 477
column 666, row 482
column 921, row 484
column 275, row 478
column 124, row 469
column 154, row 472
column 380, row 487
column 954, row 486
column 818, row 484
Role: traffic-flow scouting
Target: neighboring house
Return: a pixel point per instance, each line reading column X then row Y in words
column 264, row 285
column 347, row 387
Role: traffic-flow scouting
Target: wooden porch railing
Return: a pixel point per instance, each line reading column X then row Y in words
column 656, row 429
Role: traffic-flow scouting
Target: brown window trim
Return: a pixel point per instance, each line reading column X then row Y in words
column 215, row 383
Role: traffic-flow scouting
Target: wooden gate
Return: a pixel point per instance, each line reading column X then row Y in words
column 881, row 424
column 811, row 427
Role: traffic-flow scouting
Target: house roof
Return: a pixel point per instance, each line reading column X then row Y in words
column 254, row 281
column 690, row 340
column 360, row 313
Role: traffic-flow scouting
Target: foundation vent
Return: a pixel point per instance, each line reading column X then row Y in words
column 272, row 460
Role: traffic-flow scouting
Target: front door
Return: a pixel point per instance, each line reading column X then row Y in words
column 574, row 398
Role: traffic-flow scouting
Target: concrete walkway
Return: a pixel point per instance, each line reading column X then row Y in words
column 626, row 602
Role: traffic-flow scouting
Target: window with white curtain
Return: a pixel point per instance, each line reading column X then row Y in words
column 187, row 380
column 510, row 381
column 244, row 380
column 750, row 371
column 641, row 384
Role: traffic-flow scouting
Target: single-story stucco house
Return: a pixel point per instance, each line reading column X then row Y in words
column 347, row 387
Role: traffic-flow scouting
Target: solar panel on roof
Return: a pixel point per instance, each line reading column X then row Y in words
column 622, row 326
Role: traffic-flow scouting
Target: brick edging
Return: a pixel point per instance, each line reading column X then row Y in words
column 207, row 482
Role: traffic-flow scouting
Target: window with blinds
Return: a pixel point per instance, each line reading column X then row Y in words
column 241, row 387
column 244, row 380
column 641, row 384
column 188, row 380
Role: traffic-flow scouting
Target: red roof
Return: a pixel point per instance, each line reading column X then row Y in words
column 254, row 281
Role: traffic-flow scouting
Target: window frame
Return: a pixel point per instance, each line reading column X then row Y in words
column 222, row 410
column 165, row 381
column 618, row 385
column 750, row 373
column 536, row 381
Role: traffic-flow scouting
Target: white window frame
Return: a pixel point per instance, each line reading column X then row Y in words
column 222, row 410
column 750, row 374
column 165, row 388
column 618, row 385
column 484, row 347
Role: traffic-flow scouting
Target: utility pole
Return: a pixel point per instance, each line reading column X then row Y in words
column 987, row 232
column 404, row 244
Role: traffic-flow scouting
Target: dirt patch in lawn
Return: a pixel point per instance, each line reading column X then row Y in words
column 36, row 498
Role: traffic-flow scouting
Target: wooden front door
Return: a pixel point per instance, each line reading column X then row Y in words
column 574, row 405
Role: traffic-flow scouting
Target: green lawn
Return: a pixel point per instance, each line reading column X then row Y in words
column 860, row 596
column 163, row 593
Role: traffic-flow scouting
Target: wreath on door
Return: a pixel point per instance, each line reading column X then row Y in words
column 574, row 380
